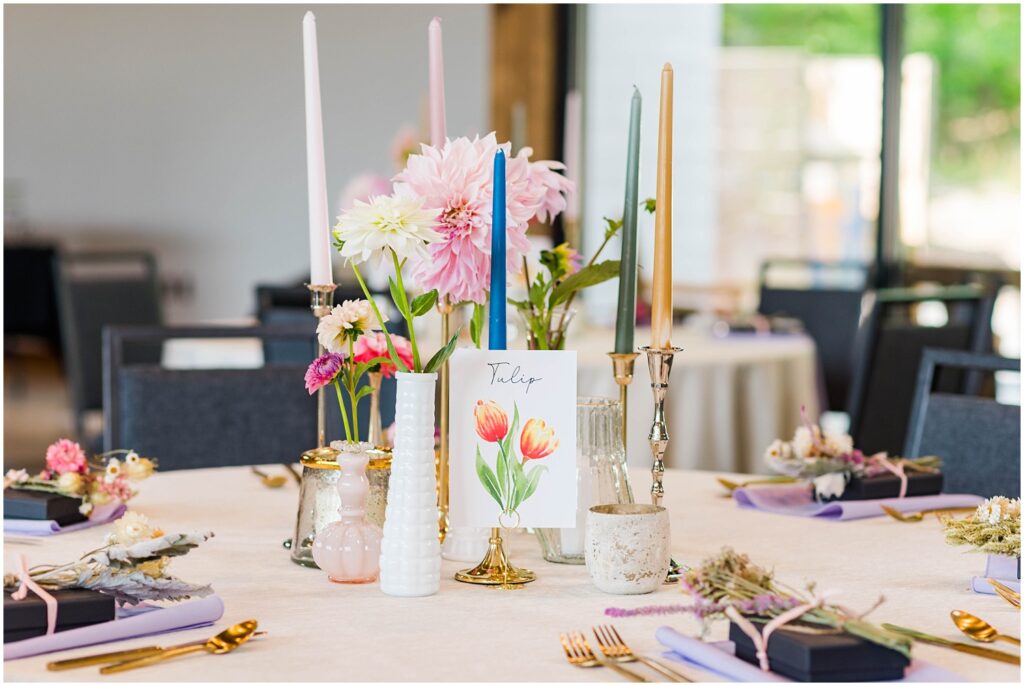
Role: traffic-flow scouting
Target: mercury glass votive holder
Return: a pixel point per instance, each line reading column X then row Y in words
column 319, row 500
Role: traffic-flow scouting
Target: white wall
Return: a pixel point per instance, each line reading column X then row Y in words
column 627, row 45
column 180, row 128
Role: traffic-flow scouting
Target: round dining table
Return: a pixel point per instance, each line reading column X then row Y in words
column 317, row 630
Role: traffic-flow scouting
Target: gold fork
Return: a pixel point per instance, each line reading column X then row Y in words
column 918, row 516
column 614, row 648
column 579, row 654
column 1005, row 592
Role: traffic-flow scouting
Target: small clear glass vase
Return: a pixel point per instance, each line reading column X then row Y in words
column 601, row 475
column 556, row 329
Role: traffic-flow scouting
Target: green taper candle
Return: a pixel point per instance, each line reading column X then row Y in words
column 625, row 323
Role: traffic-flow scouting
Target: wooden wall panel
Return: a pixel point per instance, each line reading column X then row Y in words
column 525, row 68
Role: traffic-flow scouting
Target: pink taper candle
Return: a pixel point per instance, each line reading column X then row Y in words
column 661, row 292
column 316, row 176
column 438, row 126
column 571, row 154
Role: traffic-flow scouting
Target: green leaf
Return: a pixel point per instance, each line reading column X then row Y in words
column 584, row 278
column 501, row 466
column 398, row 295
column 533, row 480
column 362, row 393
column 613, row 227
column 650, row 204
column 538, row 291
column 506, row 443
column 487, row 478
column 443, row 354
column 518, row 304
column 476, row 323
column 423, row 303
column 398, row 362
column 519, row 485
column 364, row 367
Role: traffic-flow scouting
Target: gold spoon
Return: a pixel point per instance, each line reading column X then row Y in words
column 978, row 628
column 224, row 642
column 918, row 516
column 733, row 485
column 269, row 481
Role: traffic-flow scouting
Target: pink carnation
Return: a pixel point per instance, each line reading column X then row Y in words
column 456, row 181
column 372, row 345
column 118, row 488
column 322, row 371
column 66, row 456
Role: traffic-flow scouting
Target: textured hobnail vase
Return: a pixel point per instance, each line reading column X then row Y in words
column 349, row 549
column 410, row 556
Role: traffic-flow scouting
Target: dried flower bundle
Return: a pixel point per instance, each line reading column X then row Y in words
column 132, row 566
column 994, row 528
column 731, row 580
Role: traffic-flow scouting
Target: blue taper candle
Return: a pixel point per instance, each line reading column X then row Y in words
column 497, row 337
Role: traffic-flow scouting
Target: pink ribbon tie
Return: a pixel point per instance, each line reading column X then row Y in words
column 760, row 639
column 27, row 584
column 897, row 469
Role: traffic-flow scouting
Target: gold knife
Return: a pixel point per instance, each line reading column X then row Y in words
column 990, row 653
column 118, row 656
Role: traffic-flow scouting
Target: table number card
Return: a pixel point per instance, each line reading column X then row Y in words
column 513, row 437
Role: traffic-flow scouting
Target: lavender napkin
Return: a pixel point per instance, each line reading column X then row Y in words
column 720, row 659
column 130, row 623
column 1001, row 568
column 48, row 527
column 798, row 500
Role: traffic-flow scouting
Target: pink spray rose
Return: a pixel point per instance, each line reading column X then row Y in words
column 375, row 344
column 66, row 456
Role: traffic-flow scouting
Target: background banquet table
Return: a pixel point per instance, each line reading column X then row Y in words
column 730, row 397
column 319, row 631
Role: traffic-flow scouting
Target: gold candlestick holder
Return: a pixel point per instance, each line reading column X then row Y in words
column 321, row 300
column 445, row 307
column 622, row 369
column 495, row 569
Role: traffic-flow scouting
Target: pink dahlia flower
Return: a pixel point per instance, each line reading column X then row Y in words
column 456, row 182
column 66, row 456
column 322, row 371
column 372, row 345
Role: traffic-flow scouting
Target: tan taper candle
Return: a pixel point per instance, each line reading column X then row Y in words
column 661, row 292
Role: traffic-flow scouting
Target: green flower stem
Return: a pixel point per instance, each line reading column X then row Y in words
column 352, row 380
column 408, row 314
column 560, row 332
column 380, row 320
column 341, row 406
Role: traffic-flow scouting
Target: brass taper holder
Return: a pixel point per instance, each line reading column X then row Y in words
column 622, row 369
column 445, row 308
column 495, row 569
column 659, row 363
column 321, row 300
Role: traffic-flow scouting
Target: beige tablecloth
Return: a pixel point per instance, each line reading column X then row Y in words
column 319, row 631
column 729, row 398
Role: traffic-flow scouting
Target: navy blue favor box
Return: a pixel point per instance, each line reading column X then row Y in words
column 38, row 505
column 822, row 656
column 76, row 607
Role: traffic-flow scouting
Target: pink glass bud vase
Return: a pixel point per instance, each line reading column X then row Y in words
column 349, row 549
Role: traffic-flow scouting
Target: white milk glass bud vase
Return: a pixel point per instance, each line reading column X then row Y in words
column 410, row 557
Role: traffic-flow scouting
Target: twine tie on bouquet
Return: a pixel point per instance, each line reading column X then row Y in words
column 27, row 584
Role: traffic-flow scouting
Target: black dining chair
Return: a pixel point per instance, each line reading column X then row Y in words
column 214, row 417
column 888, row 354
column 95, row 290
column 826, row 297
column 977, row 438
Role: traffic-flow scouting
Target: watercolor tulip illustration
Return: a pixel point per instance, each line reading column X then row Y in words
column 491, row 421
column 510, row 484
column 538, row 440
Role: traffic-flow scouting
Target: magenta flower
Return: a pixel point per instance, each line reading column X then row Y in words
column 322, row 371
column 66, row 456
column 456, row 182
